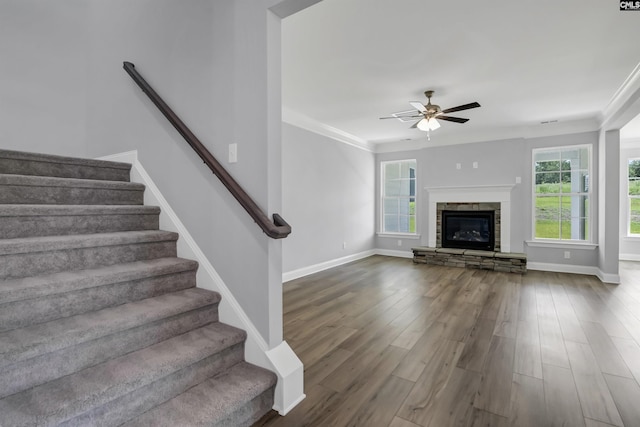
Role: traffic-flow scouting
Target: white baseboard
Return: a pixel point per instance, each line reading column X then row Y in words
column 305, row 271
column 316, row 268
column 289, row 389
column 563, row 268
column 608, row 277
column 629, row 257
column 574, row 269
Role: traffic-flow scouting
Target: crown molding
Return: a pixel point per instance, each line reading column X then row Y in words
column 300, row 120
column 589, row 124
column 625, row 96
column 537, row 130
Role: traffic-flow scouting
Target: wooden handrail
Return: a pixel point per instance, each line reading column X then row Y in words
column 278, row 229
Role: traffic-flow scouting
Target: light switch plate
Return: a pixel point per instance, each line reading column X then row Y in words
column 233, row 153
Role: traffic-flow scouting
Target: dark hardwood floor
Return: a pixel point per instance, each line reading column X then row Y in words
column 385, row 342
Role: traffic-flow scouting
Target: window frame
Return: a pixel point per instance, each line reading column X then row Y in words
column 382, row 198
column 629, row 197
column 589, row 214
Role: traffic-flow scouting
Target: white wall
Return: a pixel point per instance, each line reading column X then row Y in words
column 63, row 86
column 328, row 198
column 609, row 204
column 43, row 75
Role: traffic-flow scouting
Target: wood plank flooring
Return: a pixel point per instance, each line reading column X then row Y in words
column 386, row 342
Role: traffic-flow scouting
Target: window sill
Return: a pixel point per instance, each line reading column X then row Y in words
column 562, row 244
column 399, row 235
column 632, row 238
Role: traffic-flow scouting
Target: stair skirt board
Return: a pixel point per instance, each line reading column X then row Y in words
column 282, row 360
column 101, row 323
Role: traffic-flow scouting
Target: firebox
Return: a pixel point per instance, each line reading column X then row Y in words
column 468, row 230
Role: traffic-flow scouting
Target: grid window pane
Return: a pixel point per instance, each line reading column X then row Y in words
column 634, row 215
column 561, row 194
column 634, row 196
column 547, row 182
column 392, row 188
column 391, row 223
column 391, row 206
column 398, row 196
column 392, row 170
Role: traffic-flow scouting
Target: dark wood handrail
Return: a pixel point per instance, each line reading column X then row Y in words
column 278, row 229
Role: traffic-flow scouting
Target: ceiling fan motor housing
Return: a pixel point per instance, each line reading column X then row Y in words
column 431, row 109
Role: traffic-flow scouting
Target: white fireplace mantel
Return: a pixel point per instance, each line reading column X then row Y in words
column 473, row 194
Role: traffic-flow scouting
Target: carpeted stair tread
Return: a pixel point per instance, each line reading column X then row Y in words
column 51, row 243
column 27, row 189
column 75, row 210
column 71, row 396
column 49, row 181
column 28, row 342
column 23, row 163
column 38, row 370
column 213, row 402
column 39, row 299
column 35, row 256
column 17, row 220
column 25, row 288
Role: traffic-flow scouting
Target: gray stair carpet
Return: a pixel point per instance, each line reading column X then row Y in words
column 101, row 324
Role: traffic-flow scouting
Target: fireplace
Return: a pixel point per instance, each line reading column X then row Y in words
column 471, row 198
column 468, row 230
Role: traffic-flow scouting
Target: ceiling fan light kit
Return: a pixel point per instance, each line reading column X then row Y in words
column 428, row 124
column 427, row 114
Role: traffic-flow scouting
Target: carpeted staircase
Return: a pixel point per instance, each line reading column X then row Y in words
column 100, row 322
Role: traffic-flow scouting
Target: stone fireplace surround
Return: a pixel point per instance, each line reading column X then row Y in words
column 490, row 197
column 496, row 198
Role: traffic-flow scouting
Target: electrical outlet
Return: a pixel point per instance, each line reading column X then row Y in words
column 475, row 165
column 567, row 254
column 344, row 245
column 458, row 165
column 399, row 242
column 518, row 180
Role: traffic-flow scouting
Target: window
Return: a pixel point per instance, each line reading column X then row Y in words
column 634, row 197
column 562, row 193
column 398, row 196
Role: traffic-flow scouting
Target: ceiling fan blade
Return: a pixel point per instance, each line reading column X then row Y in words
column 452, row 119
column 418, row 106
column 415, row 125
column 402, row 117
column 461, row 107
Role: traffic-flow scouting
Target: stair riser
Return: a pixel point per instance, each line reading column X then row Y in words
column 32, row 264
column 19, row 314
column 49, row 195
column 249, row 413
column 61, row 170
column 38, row 370
column 126, row 407
column 37, row 226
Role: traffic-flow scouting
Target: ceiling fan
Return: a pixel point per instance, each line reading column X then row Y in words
column 427, row 114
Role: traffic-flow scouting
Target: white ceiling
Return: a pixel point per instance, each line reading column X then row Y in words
column 348, row 62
